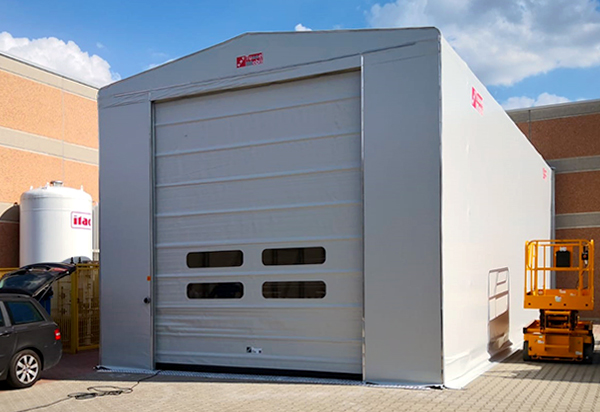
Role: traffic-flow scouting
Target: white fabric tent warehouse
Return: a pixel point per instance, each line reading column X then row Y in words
column 346, row 202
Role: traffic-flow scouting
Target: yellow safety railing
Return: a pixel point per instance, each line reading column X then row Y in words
column 570, row 257
column 4, row 271
column 75, row 307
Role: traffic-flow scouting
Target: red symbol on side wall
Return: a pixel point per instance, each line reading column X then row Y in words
column 544, row 173
column 477, row 101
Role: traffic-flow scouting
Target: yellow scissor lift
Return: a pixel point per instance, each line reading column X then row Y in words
column 559, row 334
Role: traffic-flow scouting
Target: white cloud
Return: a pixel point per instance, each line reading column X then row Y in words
column 544, row 99
column 301, row 27
column 158, row 55
column 100, row 45
column 505, row 41
column 65, row 58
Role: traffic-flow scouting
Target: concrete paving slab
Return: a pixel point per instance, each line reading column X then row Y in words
column 510, row 386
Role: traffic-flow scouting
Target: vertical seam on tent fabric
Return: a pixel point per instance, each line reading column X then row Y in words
column 440, row 188
column 152, row 289
column 362, row 188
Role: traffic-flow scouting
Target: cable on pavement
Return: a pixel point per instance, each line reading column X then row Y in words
column 94, row 392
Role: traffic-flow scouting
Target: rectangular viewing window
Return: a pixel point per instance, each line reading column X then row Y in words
column 219, row 259
column 313, row 289
column 221, row 290
column 294, row 256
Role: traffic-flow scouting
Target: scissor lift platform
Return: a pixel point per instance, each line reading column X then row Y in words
column 559, row 334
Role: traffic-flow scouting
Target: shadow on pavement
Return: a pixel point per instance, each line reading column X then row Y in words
column 80, row 367
column 514, row 367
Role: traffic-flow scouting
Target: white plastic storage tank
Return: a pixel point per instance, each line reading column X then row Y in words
column 56, row 224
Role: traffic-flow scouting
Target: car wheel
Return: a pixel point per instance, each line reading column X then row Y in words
column 25, row 369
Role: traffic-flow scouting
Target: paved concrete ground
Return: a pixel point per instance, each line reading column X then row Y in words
column 510, row 386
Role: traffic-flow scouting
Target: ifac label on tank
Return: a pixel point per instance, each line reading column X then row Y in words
column 81, row 220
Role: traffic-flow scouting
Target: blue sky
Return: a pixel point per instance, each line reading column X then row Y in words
column 528, row 52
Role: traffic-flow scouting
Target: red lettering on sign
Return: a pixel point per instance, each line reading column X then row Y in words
column 476, row 100
column 81, row 220
column 249, row 60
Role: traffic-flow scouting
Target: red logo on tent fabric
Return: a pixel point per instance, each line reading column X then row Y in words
column 544, row 173
column 476, row 101
column 249, row 60
column 80, row 220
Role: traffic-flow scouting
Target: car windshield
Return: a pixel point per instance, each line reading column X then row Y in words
column 28, row 282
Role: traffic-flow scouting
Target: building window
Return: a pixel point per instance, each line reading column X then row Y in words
column 221, row 290
column 314, row 289
column 23, row 312
column 294, row 256
column 219, row 259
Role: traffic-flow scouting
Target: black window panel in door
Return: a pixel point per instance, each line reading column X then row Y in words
column 22, row 312
column 312, row 289
column 216, row 290
column 294, row 256
column 2, row 323
column 217, row 259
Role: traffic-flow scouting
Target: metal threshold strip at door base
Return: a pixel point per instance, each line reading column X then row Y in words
column 246, row 377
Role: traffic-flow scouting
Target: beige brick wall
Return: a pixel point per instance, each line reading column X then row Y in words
column 48, row 131
column 81, row 121
column 20, row 170
column 571, row 133
column 565, row 137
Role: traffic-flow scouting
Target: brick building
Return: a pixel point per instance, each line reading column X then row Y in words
column 48, row 131
column 568, row 136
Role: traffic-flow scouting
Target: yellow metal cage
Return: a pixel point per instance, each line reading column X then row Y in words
column 543, row 261
column 75, row 307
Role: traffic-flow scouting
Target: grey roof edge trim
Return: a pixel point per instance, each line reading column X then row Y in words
column 578, row 220
column 239, row 36
column 45, row 69
column 575, row 164
column 555, row 111
column 277, row 74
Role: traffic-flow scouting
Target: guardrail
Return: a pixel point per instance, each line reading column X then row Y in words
column 75, row 307
column 4, row 271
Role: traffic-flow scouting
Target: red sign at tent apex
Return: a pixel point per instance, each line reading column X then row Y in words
column 476, row 101
column 249, row 60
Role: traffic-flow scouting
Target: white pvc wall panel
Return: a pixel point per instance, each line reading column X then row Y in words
column 270, row 167
column 402, row 215
column 125, row 185
column 496, row 194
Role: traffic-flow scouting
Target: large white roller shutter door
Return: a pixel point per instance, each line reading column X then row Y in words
column 274, row 167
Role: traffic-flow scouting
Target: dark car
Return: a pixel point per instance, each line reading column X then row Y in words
column 29, row 339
